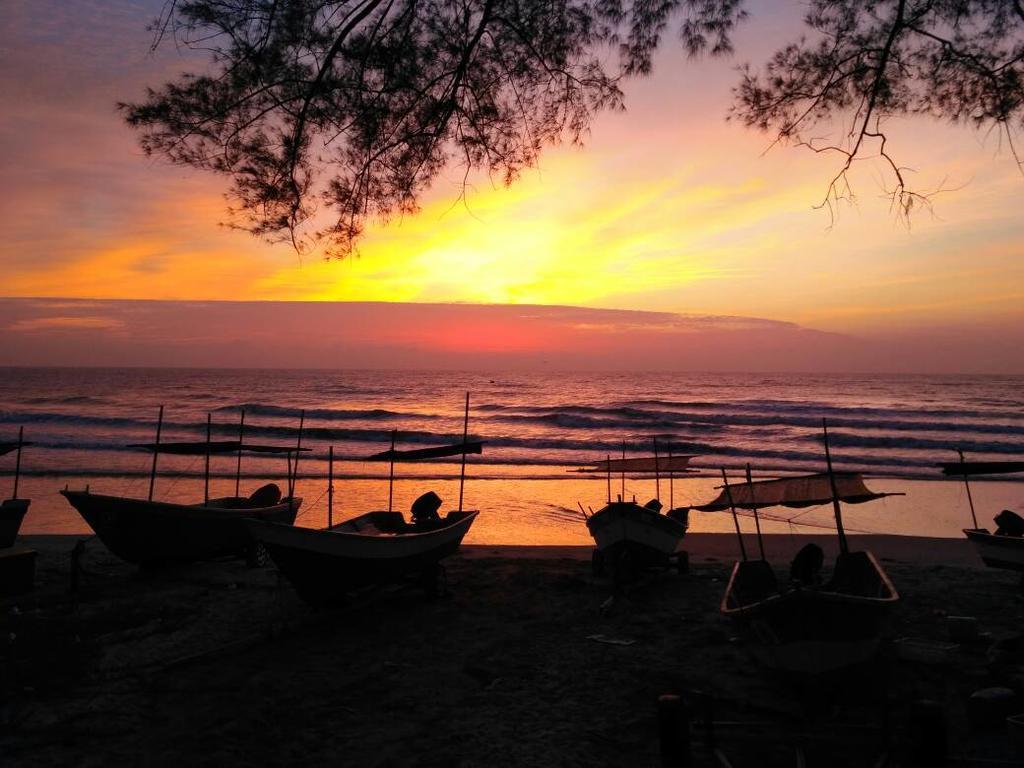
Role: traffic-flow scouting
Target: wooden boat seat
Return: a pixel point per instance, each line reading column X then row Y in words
column 854, row 574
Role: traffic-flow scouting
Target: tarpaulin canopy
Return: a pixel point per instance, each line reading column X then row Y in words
column 965, row 468
column 797, row 492
column 418, row 454
column 201, row 447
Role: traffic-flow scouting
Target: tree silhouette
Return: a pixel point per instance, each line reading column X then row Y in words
column 955, row 60
column 356, row 106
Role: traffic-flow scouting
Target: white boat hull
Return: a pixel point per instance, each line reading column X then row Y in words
column 623, row 523
column 997, row 551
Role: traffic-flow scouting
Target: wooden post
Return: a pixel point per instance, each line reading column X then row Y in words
column 17, row 461
column 657, row 475
column 465, row 437
column 156, row 451
column 391, row 470
column 238, row 468
column 835, row 493
column 330, row 487
column 967, row 485
column 757, row 520
column 206, row 473
column 674, row 732
column 735, row 518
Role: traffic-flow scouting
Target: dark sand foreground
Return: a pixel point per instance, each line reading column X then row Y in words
column 220, row 664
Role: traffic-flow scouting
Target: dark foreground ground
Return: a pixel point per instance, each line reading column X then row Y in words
column 220, row 664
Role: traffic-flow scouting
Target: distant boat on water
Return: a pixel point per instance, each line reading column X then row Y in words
column 1005, row 547
column 326, row 565
column 807, row 627
column 148, row 532
column 13, row 510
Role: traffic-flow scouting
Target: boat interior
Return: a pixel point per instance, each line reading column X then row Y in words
column 265, row 496
column 394, row 523
column 854, row 574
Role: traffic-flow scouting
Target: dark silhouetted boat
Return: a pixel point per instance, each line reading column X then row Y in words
column 12, row 510
column 1005, row 547
column 326, row 565
column 629, row 536
column 147, row 532
column 808, row 626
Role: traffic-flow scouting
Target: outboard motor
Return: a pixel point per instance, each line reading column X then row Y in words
column 1010, row 524
column 806, row 566
column 424, row 509
column 653, row 505
column 264, row 496
column 681, row 515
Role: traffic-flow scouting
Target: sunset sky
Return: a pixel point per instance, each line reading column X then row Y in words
column 667, row 209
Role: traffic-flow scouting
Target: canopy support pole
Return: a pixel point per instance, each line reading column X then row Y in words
column 391, row 470
column 17, row 461
column 206, row 471
column 657, row 476
column 835, row 493
column 330, row 487
column 156, row 451
column 238, row 467
column 735, row 517
column 967, row 485
column 757, row 520
column 465, row 438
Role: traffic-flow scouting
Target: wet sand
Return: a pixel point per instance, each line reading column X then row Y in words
column 222, row 664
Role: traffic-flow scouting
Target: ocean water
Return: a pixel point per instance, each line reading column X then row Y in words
column 538, row 429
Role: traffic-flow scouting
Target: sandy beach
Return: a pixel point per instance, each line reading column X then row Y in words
column 524, row 662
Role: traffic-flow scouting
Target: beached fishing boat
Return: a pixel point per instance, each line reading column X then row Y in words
column 1005, row 547
column 13, row 510
column 629, row 536
column 325, row 565
column 148, row 532
column 810, row 626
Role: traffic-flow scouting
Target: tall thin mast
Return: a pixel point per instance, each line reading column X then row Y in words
column 330, row 486
column 735, row 518
column 657, row 476
column 835, row 493
column 465, row 437
column 206, row 472
column 391, row 470
column 967, row 485
column 623, row 495
column 17, row 461
column 238, row 468
column 753, row 505
column 156, row 451
column 609, row 468
column 294, row 479
column 671, row 477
